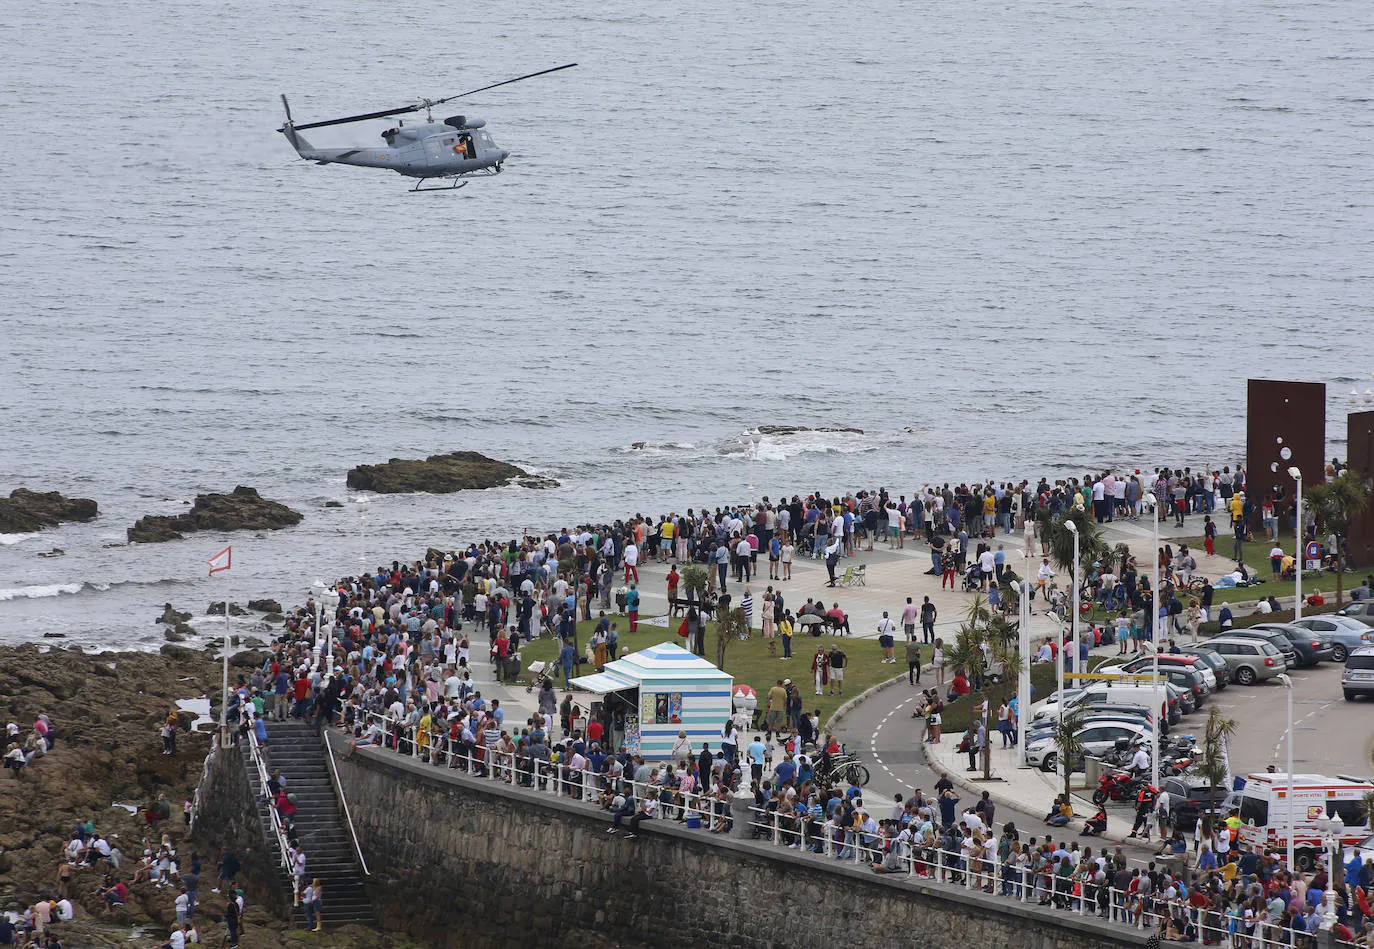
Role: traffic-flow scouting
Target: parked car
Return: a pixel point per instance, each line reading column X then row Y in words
column 1346, row 634
column 1360, row 609
column 1190, row 797
column 1250, row 659
column 1217, row 664
column 1097, row 738
column 1145, row 662
column 1100, row 713
column 1275, row 638
column 1181, row 694
column 1310, row 646
column 1358, row 676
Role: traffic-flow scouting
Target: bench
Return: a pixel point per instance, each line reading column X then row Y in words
column 682, row 604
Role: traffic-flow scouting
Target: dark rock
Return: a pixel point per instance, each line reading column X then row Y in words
column 179, row 653
column 537, row 483
column 174, row 636
column 265, row 606
column 26, row 510
column 241, row 509
column 274, row 618
column 333, row 504
column 55, row 552
column 252, row 658
column 434, row 556
column 54, row 635
column 437, row 474
column 171, row 616
column 792, row 429
column 217, row 609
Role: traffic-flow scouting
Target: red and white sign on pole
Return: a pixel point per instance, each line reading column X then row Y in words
column 221, row 561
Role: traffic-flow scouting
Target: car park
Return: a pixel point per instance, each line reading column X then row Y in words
column 1357, row 678
column 1275, row 638
column 1312, row 647
column 1346, row 634
column 1250, row 659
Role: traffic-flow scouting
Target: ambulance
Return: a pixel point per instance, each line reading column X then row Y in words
column 1264, row 812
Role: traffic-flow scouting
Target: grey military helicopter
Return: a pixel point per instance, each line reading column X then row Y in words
column 456, row 149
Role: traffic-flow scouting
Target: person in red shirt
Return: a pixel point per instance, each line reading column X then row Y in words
column 595, row 730
column 301, row 690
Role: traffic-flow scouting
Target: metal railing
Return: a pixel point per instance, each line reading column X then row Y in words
column 286, row 851
column 1017, row 880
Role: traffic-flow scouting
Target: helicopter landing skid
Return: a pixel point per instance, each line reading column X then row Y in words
column 457, row 183
column 459, row 180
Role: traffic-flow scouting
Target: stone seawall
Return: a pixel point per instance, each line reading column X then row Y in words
column 461, row 862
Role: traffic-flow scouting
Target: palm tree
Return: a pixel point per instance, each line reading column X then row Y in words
column 729, row 625
column 977, row 611
column 1367, row 808
column 1212, row 766
column 1052, row 531
column 1337, row 504
column 965, row 654
column 1067, row 741
column 696, row 580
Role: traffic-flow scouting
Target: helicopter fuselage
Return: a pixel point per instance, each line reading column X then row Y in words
column 425, row 150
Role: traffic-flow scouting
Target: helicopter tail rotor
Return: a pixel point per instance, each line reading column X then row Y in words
column 289, row 130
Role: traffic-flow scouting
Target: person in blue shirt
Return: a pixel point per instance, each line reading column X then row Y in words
column 632, row 607
column 567, row 657
column 786, row 770
column 757, row 754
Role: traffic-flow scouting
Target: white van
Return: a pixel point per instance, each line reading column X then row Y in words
column 1142, row 695
column 1264, row 810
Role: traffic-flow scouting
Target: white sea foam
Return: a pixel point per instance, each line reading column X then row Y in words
column 38, row 592
column 7, row 539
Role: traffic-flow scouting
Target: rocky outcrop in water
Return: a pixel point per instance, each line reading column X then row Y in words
column 793, row 429
column 217, row 609
column 265, row 606
column 441, row 474
column 26, row 510
column 241, row 509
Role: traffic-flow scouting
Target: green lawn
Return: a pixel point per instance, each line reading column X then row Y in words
column 1256, row 555
column 750, row 661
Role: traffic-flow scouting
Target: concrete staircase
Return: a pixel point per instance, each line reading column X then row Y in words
column 299, row 755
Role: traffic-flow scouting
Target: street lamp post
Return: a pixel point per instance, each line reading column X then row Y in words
column 751, row 447
column 1296, row 474
column 362, row 501
column 1333, row 829
column 1023, row 697
column 1155, row 633
column 1288, row 741
column 318, row 589
column 330, row 601
column 1073, row 529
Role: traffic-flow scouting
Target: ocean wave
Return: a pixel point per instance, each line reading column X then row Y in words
column 656, row 448
column 8, row 539
column 41, row 591
column 38, row 592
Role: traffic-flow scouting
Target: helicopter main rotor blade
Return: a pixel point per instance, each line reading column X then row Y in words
column 360, row 118
column 542, row 72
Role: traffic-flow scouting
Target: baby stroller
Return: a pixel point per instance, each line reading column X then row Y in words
column 539, row 676
column 972, row 578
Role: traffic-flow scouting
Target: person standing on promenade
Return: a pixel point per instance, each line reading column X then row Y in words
column 928, row 615
column 913, row 660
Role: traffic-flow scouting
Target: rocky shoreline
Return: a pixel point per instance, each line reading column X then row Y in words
column 106, row 708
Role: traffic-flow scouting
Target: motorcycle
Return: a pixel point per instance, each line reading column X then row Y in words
column 1117, row 786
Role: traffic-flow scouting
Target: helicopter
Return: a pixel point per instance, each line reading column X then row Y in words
column 456, row 149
